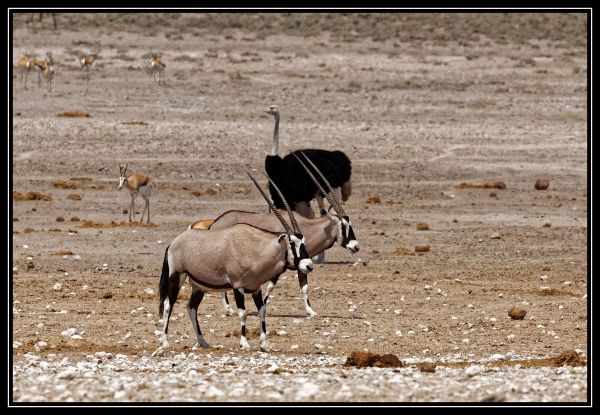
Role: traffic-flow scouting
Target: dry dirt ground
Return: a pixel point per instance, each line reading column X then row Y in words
column 420, row 103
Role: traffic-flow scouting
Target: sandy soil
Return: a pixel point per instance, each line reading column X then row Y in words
column 420, row 103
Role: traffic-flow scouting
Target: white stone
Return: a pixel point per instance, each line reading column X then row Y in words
column 57, row 286
column 69, row 332
column 149, row 291
column 40, row 345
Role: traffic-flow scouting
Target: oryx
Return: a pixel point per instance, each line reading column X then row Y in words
column 241, row 257
column 320, row 233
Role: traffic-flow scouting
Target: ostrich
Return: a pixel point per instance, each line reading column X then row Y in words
column 295, row 184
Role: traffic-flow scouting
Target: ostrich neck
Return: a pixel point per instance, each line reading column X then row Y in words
column 275, row 136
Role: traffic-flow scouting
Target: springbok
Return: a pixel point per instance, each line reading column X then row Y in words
column 157, row 65
column 86, row 64
column 320, row 233
column 24, row 65
column 241, row 257
column 136, row 183
column 44, row 69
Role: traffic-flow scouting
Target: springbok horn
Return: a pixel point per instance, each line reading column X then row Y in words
column 314, row 179
column 285, row 204
column 271, row 205
column 125, row 171
column 333, row 195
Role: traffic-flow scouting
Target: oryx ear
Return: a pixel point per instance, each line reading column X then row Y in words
column 283, row 235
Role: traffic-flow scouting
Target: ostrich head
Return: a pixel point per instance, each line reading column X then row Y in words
column 273, row 110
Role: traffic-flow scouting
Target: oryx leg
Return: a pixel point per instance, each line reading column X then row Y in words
column 303, row 281
column 270, row 287
column 265, row 346
column 226, row 306
column 192, row 307
column 175, row 283
column 239, row 302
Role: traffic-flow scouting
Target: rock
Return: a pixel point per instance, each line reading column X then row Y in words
column 75, row 219
column 60, row 219
column 542, row 184
column 422, row 226
column 422, row 248
column 495, row 235
column 57, row 286
column 517, row 313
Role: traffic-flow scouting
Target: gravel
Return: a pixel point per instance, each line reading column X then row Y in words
column 263, row 377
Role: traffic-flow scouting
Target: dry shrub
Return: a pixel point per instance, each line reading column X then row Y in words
column 366, row 359
column 113, row 224
column 31, row 196
column 64, row 185
column 485, row 185
column 422, row 226
column 568, row 358
column 73, row 114
column 74, row 196
column 62, row 253
column 403, row 251
column 374, row 200
column 134, row 123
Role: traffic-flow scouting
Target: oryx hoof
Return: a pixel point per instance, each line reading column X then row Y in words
column 245, row 346
column 159, row 352
column 228, row 311
column 203, row 345
column 265, row 346
column 311, row 313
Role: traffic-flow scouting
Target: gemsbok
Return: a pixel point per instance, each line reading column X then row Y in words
column 241, row 257
column 137, row 183
column 320, row 233
column 157, row 65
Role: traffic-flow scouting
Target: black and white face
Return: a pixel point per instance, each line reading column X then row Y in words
column 298, row 255
column 347, row 238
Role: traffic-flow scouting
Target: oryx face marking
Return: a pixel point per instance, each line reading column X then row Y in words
column 347, row 234
column 298, row 255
